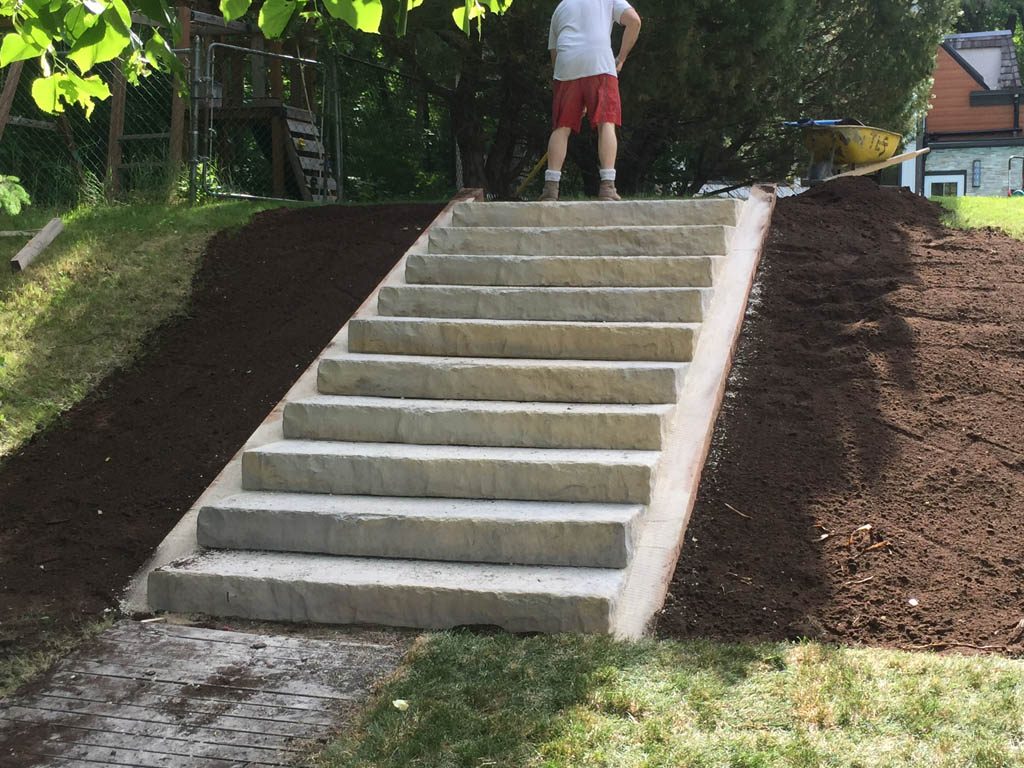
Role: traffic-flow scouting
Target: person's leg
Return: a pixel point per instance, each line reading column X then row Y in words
column 567, row 116
column 607, row 145
column 606, row 116
column 558, row 148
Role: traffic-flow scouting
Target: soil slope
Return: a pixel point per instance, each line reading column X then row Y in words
column 879, row 382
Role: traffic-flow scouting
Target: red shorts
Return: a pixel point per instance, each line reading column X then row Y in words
column 598, row 95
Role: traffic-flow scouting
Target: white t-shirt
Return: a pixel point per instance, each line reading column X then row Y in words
column 581, row 32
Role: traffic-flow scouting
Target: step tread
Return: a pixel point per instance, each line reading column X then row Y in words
column 430, row 508
column 601, row 583
column 506, row 362
column 482, row 406
column 384, row 451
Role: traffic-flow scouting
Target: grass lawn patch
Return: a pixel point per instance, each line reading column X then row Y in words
column 84, row 307
column 1005, row 213
column 555, row 702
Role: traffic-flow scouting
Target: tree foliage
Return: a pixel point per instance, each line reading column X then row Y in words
column 704, row 93
column 70, row 37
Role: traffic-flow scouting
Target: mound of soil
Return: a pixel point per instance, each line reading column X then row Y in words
column 879, row 382
column 86, row 502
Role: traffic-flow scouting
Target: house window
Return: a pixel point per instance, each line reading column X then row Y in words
column 943, row 189
column 945, row 184
column 976, row 174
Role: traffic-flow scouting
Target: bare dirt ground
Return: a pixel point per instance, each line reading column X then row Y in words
column 84, row 504
column 879, row 382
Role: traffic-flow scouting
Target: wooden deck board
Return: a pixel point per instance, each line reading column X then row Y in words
column 170, row 696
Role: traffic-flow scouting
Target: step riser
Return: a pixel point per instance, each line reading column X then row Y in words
column 507, row 340
column 424, row 426
column 560, row 272
column 580, row 214
column 596, row 545
column 453, row 380
column 681, row 241
column 481, row 478
column 652, row 305
column 307, row 602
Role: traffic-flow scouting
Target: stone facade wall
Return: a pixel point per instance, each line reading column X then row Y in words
column 993, row 167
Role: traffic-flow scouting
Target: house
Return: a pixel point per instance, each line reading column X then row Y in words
column 973, row 125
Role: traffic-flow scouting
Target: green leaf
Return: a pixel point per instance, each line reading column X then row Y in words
column 234, row 9
column 364, row 15
column 44, row 93
column 465, row 15
column 76, row 21
column 38, row 32
column 102, row 42
column 275, row 15
column 17, row 48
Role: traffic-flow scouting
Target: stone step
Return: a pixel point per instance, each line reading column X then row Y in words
column 669, row 305
column 562, row 271
column 706, row 240
column 459, row 530
column 270, row 586
column 458, row 472
column 500, row 338
column 470, row 422
column 638, row 213
column 461, row 378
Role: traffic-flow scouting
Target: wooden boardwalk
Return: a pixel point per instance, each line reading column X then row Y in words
column 176, row 697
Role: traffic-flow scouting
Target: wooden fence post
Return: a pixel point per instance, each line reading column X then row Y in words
column 7, row 97
column 118, row 94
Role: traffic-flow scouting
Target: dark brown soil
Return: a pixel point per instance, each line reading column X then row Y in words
column 879, row 382
column 87, row 501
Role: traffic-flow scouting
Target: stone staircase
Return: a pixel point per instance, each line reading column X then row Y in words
column 485, row 437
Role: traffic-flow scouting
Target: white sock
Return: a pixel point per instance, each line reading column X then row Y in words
column 555, row 176
column 607, row 174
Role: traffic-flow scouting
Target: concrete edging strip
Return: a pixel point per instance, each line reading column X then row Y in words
column 688, row 438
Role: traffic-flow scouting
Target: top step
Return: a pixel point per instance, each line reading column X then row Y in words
column 637, row 213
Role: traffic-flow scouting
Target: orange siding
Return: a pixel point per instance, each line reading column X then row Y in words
column 951, row 109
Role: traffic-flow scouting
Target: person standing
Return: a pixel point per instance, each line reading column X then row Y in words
column 586, row 82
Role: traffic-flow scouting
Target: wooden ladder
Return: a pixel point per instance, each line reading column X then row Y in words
column 308, row 158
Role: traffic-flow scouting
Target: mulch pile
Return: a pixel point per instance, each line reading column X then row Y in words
column 866, row 483
column 85, row 503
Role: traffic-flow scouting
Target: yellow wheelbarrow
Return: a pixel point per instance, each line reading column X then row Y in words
column 848, row 147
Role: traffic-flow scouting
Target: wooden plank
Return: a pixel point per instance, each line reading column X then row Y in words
column 114, row 157
column 298, row 171
column 213, row 736
column 259, row 68
column 308, row 146
column 183, row 696
column 180, row 713
column 25, row 122
column 867, row 170
column 37, row 245
column 7, row 95
column 297, row 113
column 129, row 688
column 276, row 73
column 19, row 233
column 303, row 128
column 311, row 163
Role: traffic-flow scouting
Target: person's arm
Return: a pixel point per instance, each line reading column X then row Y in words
column 631, row 21
column 554, row 56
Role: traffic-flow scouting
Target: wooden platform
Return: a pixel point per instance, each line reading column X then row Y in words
column 176, row 696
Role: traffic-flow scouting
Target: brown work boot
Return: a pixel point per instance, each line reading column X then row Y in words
column 607, row 191
column 550, row 193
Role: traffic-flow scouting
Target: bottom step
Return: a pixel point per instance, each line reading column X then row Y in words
column 431, row 595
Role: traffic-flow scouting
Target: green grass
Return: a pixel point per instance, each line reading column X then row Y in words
column 17, row 669
column 542, row 702
column 84, row 308
column 1005, row 213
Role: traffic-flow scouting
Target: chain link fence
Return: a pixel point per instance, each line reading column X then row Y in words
column 264, row 119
